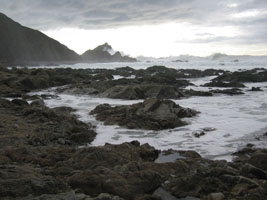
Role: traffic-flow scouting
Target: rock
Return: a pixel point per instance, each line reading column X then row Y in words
column 38, row 102
column 78, row 89
column 259, row 160
column 20, row 102
column 4, row 103
column 66, row 196
column 152, row 114
column 232, row 91
column 253, row 89
column 253, row 172
column 20, row 181
column 223, row 84
column 105, row 196
column 103, row 180
column 240, row 189
column 191, row 92
column 216, row 196
column 124, row 92
column 199, row 134
column 253, row 75
column 163, row 194
column 104, row 53
column 142, row 92
column 39, row 125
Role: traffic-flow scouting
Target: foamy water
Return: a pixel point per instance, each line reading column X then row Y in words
column 231, row 121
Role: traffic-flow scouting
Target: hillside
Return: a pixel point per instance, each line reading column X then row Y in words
column 20, row 45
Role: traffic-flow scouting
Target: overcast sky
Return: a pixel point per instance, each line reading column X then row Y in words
column 149, row 27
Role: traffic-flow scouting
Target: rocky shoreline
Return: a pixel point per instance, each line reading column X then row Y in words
column 44, row 152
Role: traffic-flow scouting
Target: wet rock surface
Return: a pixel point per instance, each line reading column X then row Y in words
column 36, row 124
column 224, row 84
column 127, row 171
column 41, row 157
column 152, row 114
column 253, row 75
column 231, row 91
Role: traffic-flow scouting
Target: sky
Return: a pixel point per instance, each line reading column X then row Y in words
column 156, row 28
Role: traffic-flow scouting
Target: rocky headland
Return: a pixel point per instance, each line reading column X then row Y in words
column 23, row 46
column 105, row 53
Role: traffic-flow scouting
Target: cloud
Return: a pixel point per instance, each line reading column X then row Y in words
column 248, row 16
column 95, row 14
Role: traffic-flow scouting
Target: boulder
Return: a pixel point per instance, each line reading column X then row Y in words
column 152, row 114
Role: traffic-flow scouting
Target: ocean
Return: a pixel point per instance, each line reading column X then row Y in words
column 229, row 122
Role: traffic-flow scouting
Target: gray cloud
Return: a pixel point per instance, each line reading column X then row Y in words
column 99, row 14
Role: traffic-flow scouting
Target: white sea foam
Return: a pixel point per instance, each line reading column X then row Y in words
column 234, row 121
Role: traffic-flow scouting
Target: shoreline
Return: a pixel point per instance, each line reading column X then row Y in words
column 40, row 155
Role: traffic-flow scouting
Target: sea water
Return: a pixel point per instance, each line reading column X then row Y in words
column 229, row 122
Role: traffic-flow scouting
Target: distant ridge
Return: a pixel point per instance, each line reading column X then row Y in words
column 20, row 45
column 105, row 53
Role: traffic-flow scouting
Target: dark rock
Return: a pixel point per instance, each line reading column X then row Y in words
column 163, row 194
column 124, row 92
column 20, row 181
column 223, row 84
column 180, row 61
column 216, row 196
column 259, row 160
column 199, row 134
column 39, row 125
column 253, row 75
column 253, row 172
column 191, row 92
column 143, row 92
column 102, row 54
column 38, row 102
column 232, row 91
column 152, row 114
column 20, row 102
column 257, row 89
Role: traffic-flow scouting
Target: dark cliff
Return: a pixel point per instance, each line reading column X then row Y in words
column 20, row 45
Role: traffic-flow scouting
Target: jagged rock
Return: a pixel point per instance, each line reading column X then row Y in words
column 152, row 114
column 105, row 53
